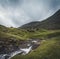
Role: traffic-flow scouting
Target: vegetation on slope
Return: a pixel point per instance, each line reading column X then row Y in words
column 12, row 33
column 48, row 49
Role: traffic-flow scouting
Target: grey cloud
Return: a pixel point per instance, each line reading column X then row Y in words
column 36, row 9
column 18, row 12
column 10, row 3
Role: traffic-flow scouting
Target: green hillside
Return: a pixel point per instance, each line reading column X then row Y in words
column 48, row 49
column 12, row 33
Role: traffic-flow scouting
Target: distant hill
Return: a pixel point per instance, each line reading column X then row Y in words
column 12, row 33
column 53, row 22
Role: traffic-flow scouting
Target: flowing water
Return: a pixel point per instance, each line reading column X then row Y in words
column 22, row 51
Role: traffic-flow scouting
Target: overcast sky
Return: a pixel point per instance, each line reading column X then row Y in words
column 18, row 12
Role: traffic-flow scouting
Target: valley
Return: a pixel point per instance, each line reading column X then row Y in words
column 35, row 40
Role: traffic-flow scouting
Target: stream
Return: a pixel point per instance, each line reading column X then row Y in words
column 29, row 46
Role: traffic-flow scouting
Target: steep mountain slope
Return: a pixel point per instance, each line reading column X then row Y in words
column 52, row 22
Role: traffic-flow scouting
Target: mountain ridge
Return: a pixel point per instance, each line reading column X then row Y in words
column 51, row 22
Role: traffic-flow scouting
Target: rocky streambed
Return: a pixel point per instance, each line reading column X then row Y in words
column 10, row 48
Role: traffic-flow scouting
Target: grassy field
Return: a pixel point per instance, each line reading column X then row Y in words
column 49, row 47
column 13, row 33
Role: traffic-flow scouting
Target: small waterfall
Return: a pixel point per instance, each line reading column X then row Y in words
column 14, row 53
column 26, row 50
column 2, row 56
column 23, row 51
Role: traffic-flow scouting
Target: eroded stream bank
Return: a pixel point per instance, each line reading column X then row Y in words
column 23, row 48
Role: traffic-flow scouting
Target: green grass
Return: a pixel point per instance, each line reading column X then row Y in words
column 49, row 49
column 13, row 33
column 24, row 34
column 43, row 34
